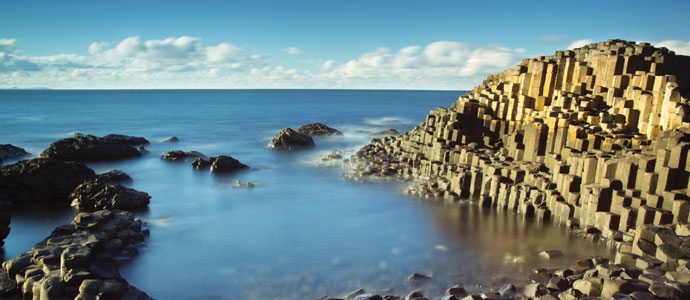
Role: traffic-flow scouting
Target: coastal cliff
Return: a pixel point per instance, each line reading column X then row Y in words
column 596, row 138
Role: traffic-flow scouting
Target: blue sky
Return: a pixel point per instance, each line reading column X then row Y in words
column 306, row 44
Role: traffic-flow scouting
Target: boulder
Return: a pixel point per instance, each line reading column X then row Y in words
column 113, row 176
column 417, row 279
column 92, row 148
column 95, row 195
column 171, row 139
column 219, row 164
column 11, row 151
column 388, row 132
column 317, row 129
column 41, row 182
column 288, row 140
column 179, row 155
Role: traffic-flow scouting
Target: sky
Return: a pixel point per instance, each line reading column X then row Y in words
column 435, row 45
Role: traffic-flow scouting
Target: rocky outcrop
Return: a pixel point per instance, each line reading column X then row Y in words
column 92, row 148
column 8, row 151
column 5, row 216
column 288, row 140
column 77, row 261
column 596, row 138
column 388, row 132
column 172, row 139
column 96, row 195
column 113, row 176
column 219, row 164
column 179, row 155
column 41, row 182
column 317, row 129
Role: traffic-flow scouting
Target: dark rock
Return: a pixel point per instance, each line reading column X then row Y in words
column 535, row 290
column 179, row 155
column 506, row 289
column 353, row 294
column 665, row 292
column 288, row 140
column 414, row 294
column 92, row 148
column 41, row 182
column 456, row 290
column 317, row 129
column 113, row 176
column 219, row 164
column 92, row 196
column 171, row 139
column 540, row 275
column 224, row 164
column 368, row 297
column 388, row 132
column 10, row 151
column 417, row 279
column 557, row 283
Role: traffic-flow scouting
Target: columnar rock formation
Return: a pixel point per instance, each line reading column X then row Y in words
column 596, row 137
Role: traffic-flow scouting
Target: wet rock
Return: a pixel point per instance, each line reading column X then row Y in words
column 611, row 287
column 535, row 290
column 171, row 139
column 243, row 184
column 665, row 292
column 540, row 275
column 456, row 290
column 92, row 148
column 179, row 155
column 219, row 164
column 92, row 196
column 368, row 297
column 506, row 289
column 41, row 182
column 353, row 294
column 8, row 151
column 288, row 140
column 590, row 287
column 557, row 283
column 418, row 279
column 550, row 254
column 317, row 129
column 388, row 132
column 113, row 176
column 414, row 294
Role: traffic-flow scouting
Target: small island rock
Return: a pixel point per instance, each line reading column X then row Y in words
column 113, row 176
column 317, row 129
column 95, row 195
column 92, row 148
column 288, row 140
column 171, row 139
column 179, row 155
column 389, row 132
column 219, row 164
column 41, row 182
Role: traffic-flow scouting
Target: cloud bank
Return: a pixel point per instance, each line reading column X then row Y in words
column 186, row 62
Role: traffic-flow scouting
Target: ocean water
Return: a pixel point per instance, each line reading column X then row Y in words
column 303, row 231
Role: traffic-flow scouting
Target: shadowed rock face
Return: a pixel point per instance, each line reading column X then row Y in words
column 93, row 148
column 288, row 140
column 317, row 129
column 41, row 182
column 5, row 208
column 10, row 151
column 95, row 195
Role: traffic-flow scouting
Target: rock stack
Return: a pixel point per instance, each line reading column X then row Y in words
column 596, row 138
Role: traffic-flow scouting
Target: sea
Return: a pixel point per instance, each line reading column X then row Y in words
column 303, row 231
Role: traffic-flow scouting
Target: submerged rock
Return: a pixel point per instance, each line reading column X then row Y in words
column 171, row 139
column 388, row 132
column 95, row 195
column 179, row 155
column 41, row 182
column 219, row 164
column 11, row 151
column 317, row 129
column 92, row 148
column 288, row 140
column 417, row 279
column 76, row 261
column 113, row 176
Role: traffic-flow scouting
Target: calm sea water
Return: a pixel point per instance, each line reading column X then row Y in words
column 303, row 232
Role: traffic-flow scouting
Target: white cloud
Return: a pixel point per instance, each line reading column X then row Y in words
column 579, row 44
column 680, row 47
column 292, row 50
column 185, row 62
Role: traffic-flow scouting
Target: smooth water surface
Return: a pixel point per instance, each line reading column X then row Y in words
column 302, row 232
